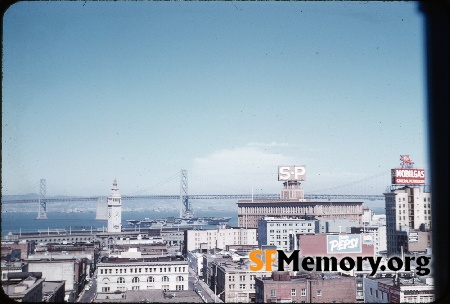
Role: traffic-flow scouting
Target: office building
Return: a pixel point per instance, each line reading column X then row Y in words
column 123, row 274
column 218, row 238
column 293, row 205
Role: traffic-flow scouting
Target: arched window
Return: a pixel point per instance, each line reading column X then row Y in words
column 121, row 280
column 180, row 279
column 165, row 279
column 150, row 279
column 135, row 280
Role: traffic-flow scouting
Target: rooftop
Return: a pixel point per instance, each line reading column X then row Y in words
column 157, row 296
column 112, row 260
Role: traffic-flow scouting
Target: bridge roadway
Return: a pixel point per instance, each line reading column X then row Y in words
column 205, row 196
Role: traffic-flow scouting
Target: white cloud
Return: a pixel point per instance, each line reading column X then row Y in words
column 237, row 171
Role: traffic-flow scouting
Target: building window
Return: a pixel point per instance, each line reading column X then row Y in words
column 135, row 280
column 134, row 287
column 241, row 286
column 105, row 289
column 150, row 279
column 319, row 293
column 293, row 292
column 303, row 292
column 231, row 278
column 180, row 279
column 179, row 287
column 121, row 280
column 242, row 278
column 165, row 287
column 231, row 286
column 165, row 279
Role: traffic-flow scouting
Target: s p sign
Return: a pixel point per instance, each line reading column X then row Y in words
column 291, row 173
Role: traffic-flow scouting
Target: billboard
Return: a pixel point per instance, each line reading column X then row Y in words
column 408, row 176
column 344, row 243
column 413, row 237
column 292, row 173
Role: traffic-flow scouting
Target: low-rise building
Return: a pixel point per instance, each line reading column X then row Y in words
column 71, row 270
column 218, row 238
column 282, row 288
column 233, row 282
column 209, row 262
column 398, row 290
column 23, row 287
column 53, row 291
column 121, row 274
column 7, row 267
column 195, row 260
column 16, row 249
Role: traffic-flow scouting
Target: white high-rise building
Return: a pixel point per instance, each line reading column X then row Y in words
column 407, row 209
column 114, row 209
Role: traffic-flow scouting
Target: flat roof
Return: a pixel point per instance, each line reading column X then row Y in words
column 164, row 259
column 306, row 202
column 156, row 296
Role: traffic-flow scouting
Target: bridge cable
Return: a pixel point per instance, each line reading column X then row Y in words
column 169, row 179
column 354, row 182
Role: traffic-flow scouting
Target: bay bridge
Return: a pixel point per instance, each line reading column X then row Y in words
column 199, row 196
column 42, row 200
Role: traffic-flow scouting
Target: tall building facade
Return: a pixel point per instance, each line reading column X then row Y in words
column 407, row 209
column 114, row 209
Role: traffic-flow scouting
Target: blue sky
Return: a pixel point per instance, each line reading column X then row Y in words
column 226, row 90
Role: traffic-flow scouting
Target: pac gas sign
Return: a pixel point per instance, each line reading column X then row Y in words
column 291, row 173
column 408, row 176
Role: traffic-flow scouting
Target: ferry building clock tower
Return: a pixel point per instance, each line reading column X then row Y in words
column 114, row 209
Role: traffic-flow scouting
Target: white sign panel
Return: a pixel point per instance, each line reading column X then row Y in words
column 292, row 173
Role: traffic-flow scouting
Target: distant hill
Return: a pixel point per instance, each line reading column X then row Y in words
column 19, row 197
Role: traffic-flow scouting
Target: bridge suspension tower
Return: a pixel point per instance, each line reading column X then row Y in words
column 42, row 213
column 186, row 211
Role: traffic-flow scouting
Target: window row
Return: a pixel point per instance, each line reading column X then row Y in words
column 142, row 270
column 122, row 280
